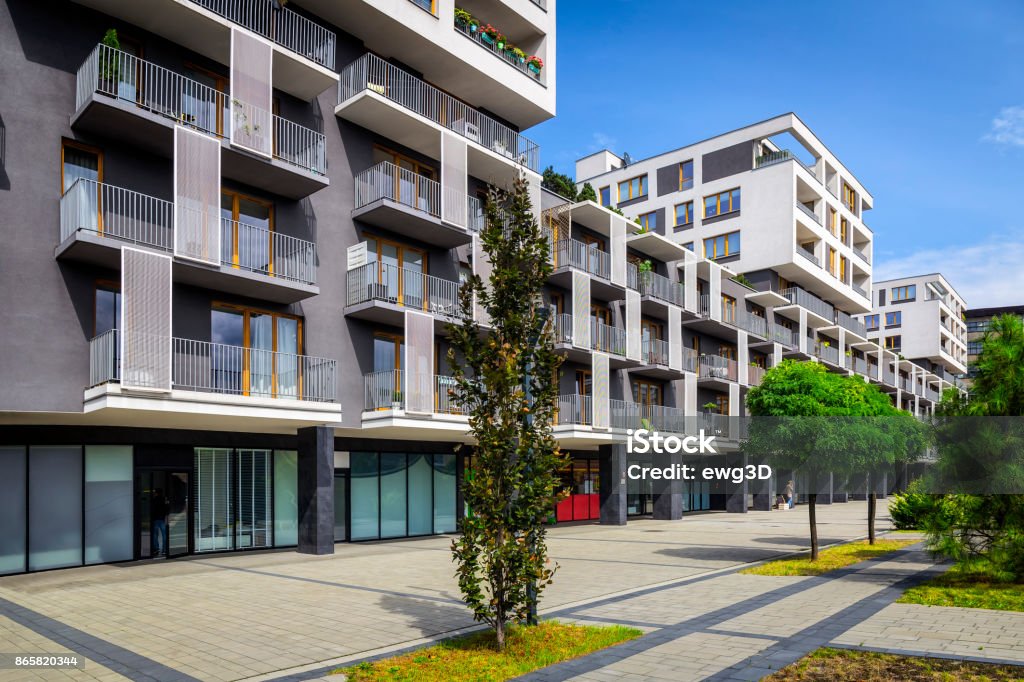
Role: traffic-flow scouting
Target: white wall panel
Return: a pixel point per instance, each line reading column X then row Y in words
column 675, row 338
column 580, row 309
column 742, row 358
column 482, row 268
column 419, row 362
column 197, row 222
column 146, row 318
column 633, row 338
column 601, row 394
column 252, row 121
column 454, row 181
column 617, row 250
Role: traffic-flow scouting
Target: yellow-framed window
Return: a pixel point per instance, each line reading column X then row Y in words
column 833, row 219
column 723, row 404
column 728, row 308
column 723, row 245
column 831, row 261
column 844, row 230
column 605, row 195
column 871, row 322
column 647, row 392
column 721, row 203
column 842, row 268
column 894, row 342
column 893, row 318
column 634, row 188
column 904, row 293
column 686, row 175
column 849, row 197
column 684, row 213
column 649, row 221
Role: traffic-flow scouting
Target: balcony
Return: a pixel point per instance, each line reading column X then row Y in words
column 860, row 290
column 755, row 374
column 303, row 51
column 96, row 218
column 809, row 256
column 784, row 335
column 399, row 390
column 860, row 254
column 404, row 202
column 825, row 312
column 492, row 47
column 860, row 366
column 716, row 369
column 827, row 353
column 607, row 339
column 851, row 325
column 139, row 103
column 748, row 322
column 604, row 338
column 381, row 292
column 385, row 99
column 781, row 156
column 209, row 379
column 574, row 410
column 660, row 288
column 809, row 213
column 571, row 254
column 626, row 414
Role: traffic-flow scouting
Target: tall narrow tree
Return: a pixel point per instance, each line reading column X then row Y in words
column 505, row 380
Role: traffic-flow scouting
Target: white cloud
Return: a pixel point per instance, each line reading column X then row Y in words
column 1008, row 127
column 602, row 141
column 986, row 274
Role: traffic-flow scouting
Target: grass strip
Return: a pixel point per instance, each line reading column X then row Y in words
column 829, row 559
column 845, row 665
column 973, row 586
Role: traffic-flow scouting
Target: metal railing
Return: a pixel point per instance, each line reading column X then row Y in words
column 829, row 353
column 772, row 158
column 390, row 389
column 889, row 376
column 136, row 218
column 370, row 72
column 931, row 394
column 849, row 323
column 809, row 213
column 188, row 102
column 575, row 254
column 860, row 290
column 660, row 287
column 562, row 328
column 717, row 367
column 626, row 414
column 860, row 254
column 654, row 352
column 783, row 335
column 218, row 368
column 905, row 384
column 377, row 281
column 752, row 323
column 809, row 256
column 279, row 24
column 689, row 359
column 805, row 299
column 401, row 185
column 755, row 374
column 606, row 338
column 575, row 409
column 704, row 305
column 492, row 47
column 860, row 365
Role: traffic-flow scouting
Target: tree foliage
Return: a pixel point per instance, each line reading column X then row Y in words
column 501, row 552
column 587, row 193
column 559, row 183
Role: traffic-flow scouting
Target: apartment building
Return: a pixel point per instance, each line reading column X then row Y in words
column 922, row 318
column 802, row 276
column 977, row 323
column 235, row 231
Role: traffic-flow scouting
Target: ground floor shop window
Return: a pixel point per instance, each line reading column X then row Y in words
column 580, row 479
column 400, row 494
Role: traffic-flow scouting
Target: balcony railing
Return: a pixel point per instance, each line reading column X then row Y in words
column 492, row 47
column 860, row 365
column 851, row 324
column 606, row 338
column 931, row 394
column 390, row 390
column 401, row 185
column 704, row 305
column 829, row 353
column 717, row 367
column 370, row 72
column 280, row 25
column 660, row 287
column 805, row 299
column 783, row 335
column 654, row 352
column 860, row 254
column 860, row 290
column 809, row 213
column 563, row 328
column 218, row 368
column 626, row 414
column 889, row 376
column 405, row 287
column 135, row 218
column 188, row 102
column 755, row 374
column 752, row 323
column 575, row 409
column 772, row 158
column 570, row 253
column 809, row 256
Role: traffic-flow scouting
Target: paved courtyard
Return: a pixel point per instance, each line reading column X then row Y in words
column 280, row 615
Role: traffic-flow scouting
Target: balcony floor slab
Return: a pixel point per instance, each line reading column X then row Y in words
column 413, row 223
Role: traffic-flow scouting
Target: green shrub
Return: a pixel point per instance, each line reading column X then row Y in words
column 910, row 509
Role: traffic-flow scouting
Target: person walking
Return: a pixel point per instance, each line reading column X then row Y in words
column 789, row 494
column 159, row 509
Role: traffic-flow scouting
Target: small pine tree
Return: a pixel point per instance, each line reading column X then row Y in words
column 587, row 193
column 501, row 553
column 559, row 183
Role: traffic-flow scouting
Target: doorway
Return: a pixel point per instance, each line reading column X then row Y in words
column 341, row 505
column 162, row 513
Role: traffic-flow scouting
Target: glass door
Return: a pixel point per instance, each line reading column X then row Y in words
column 341, row 505
column 261, row 353
column 388, row 362
column 84, row 166
column 204, row 103
column 162, row 513
column 177, row 513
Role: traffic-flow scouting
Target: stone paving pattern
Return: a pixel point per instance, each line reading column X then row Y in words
column 280, row 615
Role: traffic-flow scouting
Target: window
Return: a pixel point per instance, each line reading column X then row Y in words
column 247, row 239
column 842, row 268
column 649, row 221
column 401, row 271
column 893, row 319
column 905, row 293
column 723, row 403
column 646, row 393
column 893, row 342
column 721, row 246
column 727, row 352
column 107, row 313
column 718, row 204
column 79, row 162
column 405, row 173
column 833, row 217
column 871, row 322
column 650, row 331
column 633, row 188
column 606, row 196
column 977, row 326
column 686, row 175
column 974, row 347
column 584, row 382
column 728, row 309
column 832, row 261
column 600, row 313
column 206, row 112
column 557, row 302
column 273, row 340
column 844, row 230
column 849, row 197
column 688, row 245
column 684, row 213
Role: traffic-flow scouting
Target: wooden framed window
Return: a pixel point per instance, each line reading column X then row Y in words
column 557, row 302
column 727, row 352
column 686, row 175
column 849, row 198
column 728, row 308
column 894, row 342
column 273, row 340
column 634, row 188
column 904, row 293
column 647, row 393
column 605, row 195
column 649, row 221
column 650, row 329
column 844, row 230
column 584, row 382
column 684, row 213
column 406, row 172
column 832, row 261
column 833, row 221
column 202, row 113
column 250, row 222
column 600, row 313
column 79, row 162
column 688, row 245
column 723, row 404
column 721, row 203
column 842, row 268
column 107, row 307
column 871, row 322
column 401, row 270
column 721, row 246
column 893, row 319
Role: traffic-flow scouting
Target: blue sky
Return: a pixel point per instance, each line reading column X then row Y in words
column 924, row 101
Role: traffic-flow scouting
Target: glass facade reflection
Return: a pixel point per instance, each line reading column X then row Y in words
column 398, row 494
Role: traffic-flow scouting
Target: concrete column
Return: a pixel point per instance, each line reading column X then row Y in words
column 742, row 358
column 316, row 490
column 613, row 462
column 858, row 486
column 763, row 491
column 803, row 333
column 880, row 482
column 668, row 494
column 736, row 493
column 839, row 489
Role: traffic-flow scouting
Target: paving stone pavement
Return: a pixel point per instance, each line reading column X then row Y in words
column 281, row 615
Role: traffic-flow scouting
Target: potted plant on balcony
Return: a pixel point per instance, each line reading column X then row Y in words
column 710, row 407
column 644, row 268
column 518, row 54
column 491, row 35
column 108, row 66
column 535, row 64
column 396, row 400
column 463, row 19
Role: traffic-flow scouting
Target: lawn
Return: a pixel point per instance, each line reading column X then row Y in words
column 842, row 665
column 971, row 586
column 474, row 658
column 829, row 559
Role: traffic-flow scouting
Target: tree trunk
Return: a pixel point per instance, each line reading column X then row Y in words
column 499, row 634
column 811, row 499
column 871, row 518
